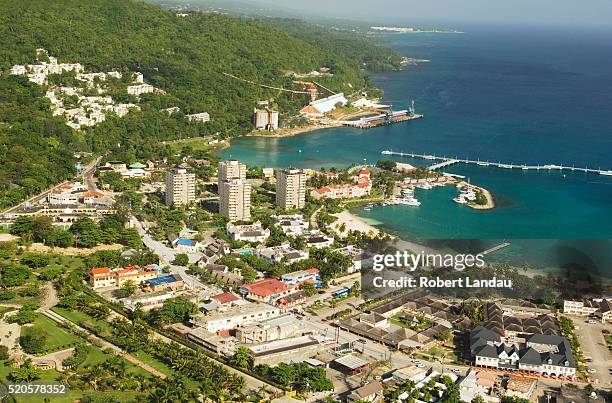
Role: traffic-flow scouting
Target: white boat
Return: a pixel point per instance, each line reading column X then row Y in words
column 483, row 164
column 606, row 173
column 425, row 186
column 460, row 200
column 506, row 166
column 470, row 195
column 524, row 168
column 386, row 152
column 429, row 157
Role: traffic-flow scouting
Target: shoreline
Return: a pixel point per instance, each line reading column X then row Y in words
column 289, row 132
column 352, row 222
column 489, row 205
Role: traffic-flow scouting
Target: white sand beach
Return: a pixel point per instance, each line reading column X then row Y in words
column 352, row 223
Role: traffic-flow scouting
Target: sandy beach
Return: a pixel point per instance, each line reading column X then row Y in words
column 352, row 223
column 490, row 204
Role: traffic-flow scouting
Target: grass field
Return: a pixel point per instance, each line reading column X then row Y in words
column 80, row 317
column 57, row 338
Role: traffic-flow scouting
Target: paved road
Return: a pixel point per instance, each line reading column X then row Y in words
column 167, row 255
column 593, row 345
column 88, row 175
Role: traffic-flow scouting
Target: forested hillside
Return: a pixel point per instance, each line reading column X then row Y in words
column 184, row 56
column 351, row 45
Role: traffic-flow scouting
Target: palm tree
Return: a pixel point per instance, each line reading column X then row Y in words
column 243, row 358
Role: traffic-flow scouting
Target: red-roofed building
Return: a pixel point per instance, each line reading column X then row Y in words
column 100, row 277
column 225, row 298
column 362, row 186
column 90, row 197
column 266, row 290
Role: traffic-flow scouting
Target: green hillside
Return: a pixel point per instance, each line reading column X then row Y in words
column 185, row 57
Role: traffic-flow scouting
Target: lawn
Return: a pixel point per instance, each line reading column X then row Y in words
column 155, row 363
column 418, row 324
column 80, row 318
column 57, row 337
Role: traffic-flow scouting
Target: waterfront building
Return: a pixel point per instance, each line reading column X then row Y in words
column 180, row 187
column 362, row 186
column 291, row 188
column 324, row 105
column 265, row 119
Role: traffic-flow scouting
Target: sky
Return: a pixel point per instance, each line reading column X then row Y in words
column 528, row 12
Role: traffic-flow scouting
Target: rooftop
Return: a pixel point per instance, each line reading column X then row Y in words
column 267, row 287
column 352, row 362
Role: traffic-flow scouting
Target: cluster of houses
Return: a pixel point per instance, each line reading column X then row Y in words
column 80, row 110
column 361, row 186
column 77, row 109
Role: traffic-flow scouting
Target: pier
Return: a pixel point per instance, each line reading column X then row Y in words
column 495, row 248
column 442, row 164
column 450, row 161
column 382, row 119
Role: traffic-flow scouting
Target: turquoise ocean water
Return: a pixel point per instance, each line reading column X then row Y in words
column 511, row 95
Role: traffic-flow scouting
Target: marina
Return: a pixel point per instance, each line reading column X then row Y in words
column 451, row 161
column 384, row 118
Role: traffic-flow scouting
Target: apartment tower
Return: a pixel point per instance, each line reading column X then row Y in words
column 290, row 188
column 180, row 187
column 234, row 191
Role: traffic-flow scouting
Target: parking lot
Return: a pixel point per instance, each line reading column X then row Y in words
column 593, row 345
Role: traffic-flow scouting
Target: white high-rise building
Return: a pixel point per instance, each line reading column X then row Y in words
column 231, row 169
column 180, row 187
column 291, row 188
column 234, row 191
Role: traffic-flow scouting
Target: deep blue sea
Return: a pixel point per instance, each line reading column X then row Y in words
column 515, row 95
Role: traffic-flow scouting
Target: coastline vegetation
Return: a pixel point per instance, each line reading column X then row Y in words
column 185, row 57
